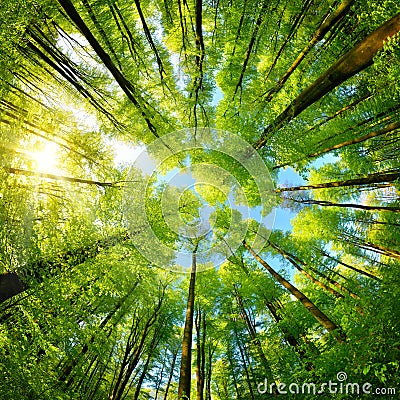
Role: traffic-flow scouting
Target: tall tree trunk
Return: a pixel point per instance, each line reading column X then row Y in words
column 10, row 286
column 161, row 375
column 200, row 339
column 388, row 129
column 245, row 366
column 289, row 337
column 295, row 261
column 298, row 19
column 377, row 248
column 255, row 340
column 210, row 354
column 71, row 364
column 328, row 23
column 307, row 303
column 325, row 203
column 133, row 350
column 354, row 61
column 130, row 91
column 379, row 177
column 186, row 361
column 171, row 373
column 140, row 381
column 233, row 373
column 304, row 272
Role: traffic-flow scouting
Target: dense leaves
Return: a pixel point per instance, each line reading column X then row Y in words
column 85, row 85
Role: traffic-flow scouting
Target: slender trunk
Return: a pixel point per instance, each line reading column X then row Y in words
column 325, row 203
column 378, row 177
column 295, row 260
column 200, row 336
column 150, row 39
column 139, row 384
column 304, row 272
column 354, row 61
column 233, row 373
column 293, row 29
column 388, row 129
column 289, row 337
column 246, row 369
column 133, row 350
column 125, row 85
column 161, row 376
column 25, row 172
column 329, row 325
column 186, row 361
column 41, row 268
column 209, row 372
column 238, row 32
column 359, row 271
column 10, row 286
column 171, row 374
column 254, row 337
column 386, row 251
column 250, row 47
column 325, row 26
column 102, row 32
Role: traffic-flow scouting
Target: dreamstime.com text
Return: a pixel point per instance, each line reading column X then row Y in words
column 340, row 387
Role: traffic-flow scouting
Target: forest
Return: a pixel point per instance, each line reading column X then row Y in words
column 199, row 199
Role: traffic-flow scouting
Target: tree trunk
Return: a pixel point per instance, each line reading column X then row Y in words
column 378, row 177
column 161, row 375
column 133, row 350
column 289, row 337
column 354, row 61
column 77, row 255
column 292, row 258
column 325, row 203
column 388, row 129
column 186, row 361
column 125, row 85
column 377, row 248
column 200, row 353
column 209, row 372
column 325, row 26
column 359, row 271
column 307, row 303
column 10, row 285
column 304, row 272
column 171, row 374
column 139, row 384
column 71, row 364
column 25, row 172
column 254, row 337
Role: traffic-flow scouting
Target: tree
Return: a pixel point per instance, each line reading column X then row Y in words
column 117, row 177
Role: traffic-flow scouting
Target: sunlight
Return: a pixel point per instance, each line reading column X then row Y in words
column 46, row 158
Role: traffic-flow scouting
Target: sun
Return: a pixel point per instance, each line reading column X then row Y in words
column 46, row 158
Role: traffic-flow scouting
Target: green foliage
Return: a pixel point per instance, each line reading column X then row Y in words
column 96, row 317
